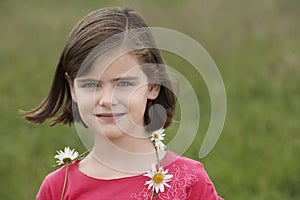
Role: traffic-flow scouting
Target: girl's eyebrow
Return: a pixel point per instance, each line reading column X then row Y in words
column 123, row 78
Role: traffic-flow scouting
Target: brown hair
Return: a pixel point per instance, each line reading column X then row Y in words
column 93, row 29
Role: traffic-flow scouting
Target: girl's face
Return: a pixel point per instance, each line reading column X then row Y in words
column 112, row 100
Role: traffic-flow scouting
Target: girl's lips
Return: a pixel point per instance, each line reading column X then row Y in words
column 109, row 117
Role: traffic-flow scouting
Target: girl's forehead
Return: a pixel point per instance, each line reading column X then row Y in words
column 115, row 67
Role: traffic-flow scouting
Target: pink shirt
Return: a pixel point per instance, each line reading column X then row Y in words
column 190, row 181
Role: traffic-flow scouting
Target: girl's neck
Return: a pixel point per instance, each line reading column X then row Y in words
column 135, row 143
column 127, row 153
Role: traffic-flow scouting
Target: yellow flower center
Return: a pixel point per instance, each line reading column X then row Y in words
column 155, row 136
column 158, row 178
column 67, row 160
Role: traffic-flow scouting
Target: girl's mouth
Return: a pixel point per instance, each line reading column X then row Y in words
column 109, row 117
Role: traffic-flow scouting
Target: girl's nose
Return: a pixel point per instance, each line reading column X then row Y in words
column 107, row 97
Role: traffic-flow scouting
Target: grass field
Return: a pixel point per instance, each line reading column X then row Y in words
column 255, row 45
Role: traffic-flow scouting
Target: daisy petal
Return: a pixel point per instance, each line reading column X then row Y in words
column 66, row 156
column 159, row 179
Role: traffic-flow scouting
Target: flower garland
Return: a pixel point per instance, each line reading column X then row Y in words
column 159, row 177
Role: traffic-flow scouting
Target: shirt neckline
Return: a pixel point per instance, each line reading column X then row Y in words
column 138, row 176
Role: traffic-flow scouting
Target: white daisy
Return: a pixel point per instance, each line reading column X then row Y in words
column 157, row 137
column 159, row 178
column 66, row 156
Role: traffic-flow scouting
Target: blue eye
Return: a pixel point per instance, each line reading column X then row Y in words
column 90, row 85
column 123, row 84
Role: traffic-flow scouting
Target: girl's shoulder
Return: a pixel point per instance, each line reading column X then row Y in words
column 53, row 182
column 190, row 175
column 173, row 159
column 184, row 168
column 59, row 174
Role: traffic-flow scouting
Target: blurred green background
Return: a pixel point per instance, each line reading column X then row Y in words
column 255, row 45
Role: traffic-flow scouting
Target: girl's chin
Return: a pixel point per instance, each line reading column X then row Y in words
column 117, row 130
column 110, row 132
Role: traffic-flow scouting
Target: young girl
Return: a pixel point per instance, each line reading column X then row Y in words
column 111, row 78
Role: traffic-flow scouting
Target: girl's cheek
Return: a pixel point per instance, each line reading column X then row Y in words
column 122, row 97
column 85, row 104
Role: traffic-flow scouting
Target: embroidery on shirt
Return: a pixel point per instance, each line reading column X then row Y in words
column 143, row 195
column 181, row 185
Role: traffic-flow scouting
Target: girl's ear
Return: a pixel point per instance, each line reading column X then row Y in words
column 153, row 91
column 71, row 86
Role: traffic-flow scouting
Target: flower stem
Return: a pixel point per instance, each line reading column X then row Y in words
column 81, row 156
column 157, row 157
column 152, row 194
column 65, row 182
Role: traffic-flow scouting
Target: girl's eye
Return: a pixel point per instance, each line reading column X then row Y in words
column 90, row 85
column 123, row 84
